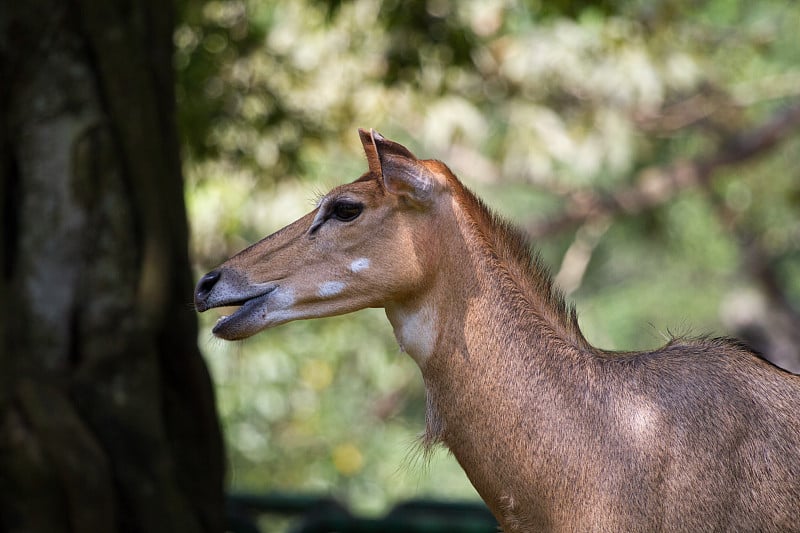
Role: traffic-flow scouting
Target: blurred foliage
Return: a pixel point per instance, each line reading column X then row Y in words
column 531, row 103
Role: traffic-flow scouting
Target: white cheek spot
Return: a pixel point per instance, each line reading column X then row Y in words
column 282, row 298
column 331, row 288
column 359, row 264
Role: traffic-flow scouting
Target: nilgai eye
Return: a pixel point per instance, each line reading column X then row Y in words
column 346, row 211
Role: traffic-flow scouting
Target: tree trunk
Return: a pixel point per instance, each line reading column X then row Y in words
column 107, row 415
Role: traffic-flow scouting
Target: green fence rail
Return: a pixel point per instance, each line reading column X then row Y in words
column 313, row 514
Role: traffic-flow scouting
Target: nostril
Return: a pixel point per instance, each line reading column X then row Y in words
column 206, row 285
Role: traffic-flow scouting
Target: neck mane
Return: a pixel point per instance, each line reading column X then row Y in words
column 509, row 256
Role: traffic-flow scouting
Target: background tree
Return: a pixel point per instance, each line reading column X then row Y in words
column 107, row 417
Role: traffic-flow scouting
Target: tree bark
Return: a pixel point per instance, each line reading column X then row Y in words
column 107, row 415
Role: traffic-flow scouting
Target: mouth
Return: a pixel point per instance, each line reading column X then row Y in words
column 246, row 320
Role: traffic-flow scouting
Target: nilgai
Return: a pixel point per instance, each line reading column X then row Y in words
column 556, row 435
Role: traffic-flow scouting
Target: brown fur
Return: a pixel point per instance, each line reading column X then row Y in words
column 715, row 410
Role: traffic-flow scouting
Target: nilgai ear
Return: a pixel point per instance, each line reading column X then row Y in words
column 403, row 174
column 373, row 160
